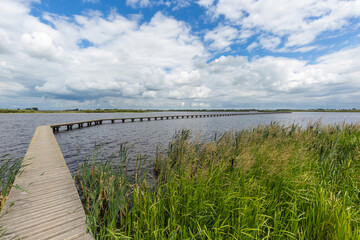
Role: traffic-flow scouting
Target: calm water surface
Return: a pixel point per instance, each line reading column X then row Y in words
column 16, row 131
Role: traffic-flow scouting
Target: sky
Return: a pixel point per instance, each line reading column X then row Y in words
column 180, row 54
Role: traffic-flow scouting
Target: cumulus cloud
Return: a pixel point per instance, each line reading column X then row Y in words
column 252, row 46
column 221, row 37
column 205, row 3
column 180, row 4
column 122, row 59
column 138, row 3
column 299, row 22
column 11, row 88
column 270, row 42
column 284, row 81
column 39, row 45
column 345, row 64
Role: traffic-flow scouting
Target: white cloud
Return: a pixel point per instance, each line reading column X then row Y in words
column 252, row 46
column 345, row 63
column 39, row 45
column 11, row 88
column 91, row 1
column 138, row 3
column 205, row 3
column 270, row 42
column 180, row 4
column 221, row 37
column 306, row 49
column 127, row 59
column 149, row 94
column 281, row 81
column 299, row 22
column 4, row 42
column 200, row 105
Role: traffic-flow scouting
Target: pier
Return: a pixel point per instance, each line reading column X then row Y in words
column 43, row 202
column 88, row 123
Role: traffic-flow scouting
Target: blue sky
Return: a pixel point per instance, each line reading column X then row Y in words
column 179, row 54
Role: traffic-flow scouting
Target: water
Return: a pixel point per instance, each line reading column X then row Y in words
column 16, row 131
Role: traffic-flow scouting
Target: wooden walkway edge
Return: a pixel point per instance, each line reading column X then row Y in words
column 43, row 202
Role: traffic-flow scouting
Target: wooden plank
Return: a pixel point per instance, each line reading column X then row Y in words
column 49, row 206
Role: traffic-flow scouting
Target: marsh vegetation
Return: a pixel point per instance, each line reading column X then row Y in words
column 9, row 167
column 269, row 182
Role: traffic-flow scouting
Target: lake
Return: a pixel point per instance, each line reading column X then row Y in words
column 16, row 131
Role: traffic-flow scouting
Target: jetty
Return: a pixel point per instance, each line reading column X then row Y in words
column 43, row 202
column 88, row 123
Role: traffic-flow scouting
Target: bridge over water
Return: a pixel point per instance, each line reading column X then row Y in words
column 81, row 124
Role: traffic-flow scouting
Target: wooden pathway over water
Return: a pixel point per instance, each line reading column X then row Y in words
column 81, row 124
column 47, row 206
column 43, row 202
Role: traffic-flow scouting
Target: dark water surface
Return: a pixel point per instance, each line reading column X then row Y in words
column 16, row 130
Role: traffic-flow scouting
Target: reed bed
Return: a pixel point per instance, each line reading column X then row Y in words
column 9, row 167
column 270, row 182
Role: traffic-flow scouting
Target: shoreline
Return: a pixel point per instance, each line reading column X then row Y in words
column 13, row 111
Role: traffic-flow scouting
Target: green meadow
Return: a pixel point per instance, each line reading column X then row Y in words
column 270, row 182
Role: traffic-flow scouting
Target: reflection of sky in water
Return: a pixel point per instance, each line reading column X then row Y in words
column 16, row 130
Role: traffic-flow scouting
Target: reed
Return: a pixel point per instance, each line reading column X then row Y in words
column 270, row 182
column 9, row 167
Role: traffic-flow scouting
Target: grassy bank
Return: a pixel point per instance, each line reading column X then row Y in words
column 271, row 182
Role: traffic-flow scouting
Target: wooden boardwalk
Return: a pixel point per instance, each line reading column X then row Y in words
column 47, row 206
column 88, row 123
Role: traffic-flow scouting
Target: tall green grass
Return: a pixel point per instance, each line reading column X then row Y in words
column 270, row 182
column 9, row 167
